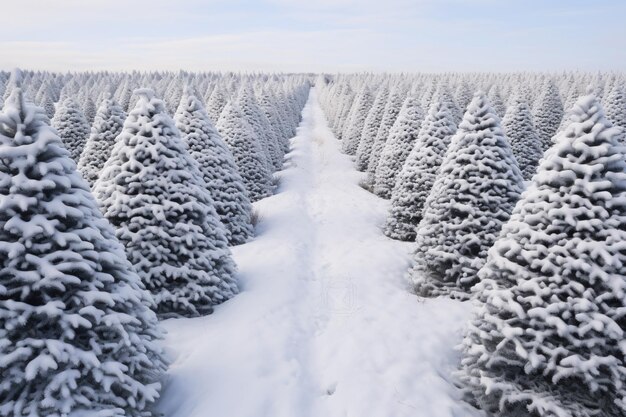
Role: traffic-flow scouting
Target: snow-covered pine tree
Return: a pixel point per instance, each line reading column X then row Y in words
column 76, row 331
column 151, row 190
column 370, row 128
column 392, row 109
column 48, row 106
column 217, row 167
column 402, row 137
column 72, row 127
column 89, row 110
column 347, row 98
column 495, row 98
column 106, row 127
column 475, row 191
column 246, row 149
column 246, row 101
column 547, row 336
column 463, row 95
column 615, row 106
column 267, row 105
column 417, row 176
column 547, row 113
column 525, row 143
column 356, row 119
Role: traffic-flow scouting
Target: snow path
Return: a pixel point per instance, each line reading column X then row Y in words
column 324, row 326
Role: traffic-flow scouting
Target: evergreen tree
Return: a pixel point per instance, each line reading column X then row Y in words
column 525, row 143
column 152, row 191
column 616, row 106
column 106, row 127
column 252, row 114
column 48, row 106
column 417, row 176
column 356, row 119
column 267, row 105
column 370, row 129
column 346, row 100
column 216, row 103
column 76, row 330
column 246, row 149
column 72, row 127
column 217, row 167
column 547, row 337
column 401, row 140
column 89, row 110
column 474, row 194
column 464, row 95
column 495, row 98
column 392, row 109
column 547, row 114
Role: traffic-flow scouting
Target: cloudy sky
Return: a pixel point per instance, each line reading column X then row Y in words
column 314, row 35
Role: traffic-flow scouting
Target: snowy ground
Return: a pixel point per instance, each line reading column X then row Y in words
column 324, row 326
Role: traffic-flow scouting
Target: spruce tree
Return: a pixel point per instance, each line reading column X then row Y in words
column 48, row 106
column 547, row 114
column 417, row 176
column 76, row 331
column 246, row 149
column 547, row 338
column 392, row 110
column 525, row 143
column 495, row 98
column 89, row 110
column 402, row 137
column 246, row 102
column 616, row 106
column 216, row 103
column 217, row 167
column 151, row 190
column 370, row 129
column 477, row 186
column 356, row 119
column 72, row 127
column 106, row 127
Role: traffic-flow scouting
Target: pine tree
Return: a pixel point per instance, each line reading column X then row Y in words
column 48, row 105
column 76, row 330
column 216, row 103
column 107, row 125
column 392, row 109
column 547, row 337
column 346, row 100
column 370, row 129
column 89, row 110
column 152, row 191
column 464, row 95
column 402, row 137
column 217, row 167
column 72, row 127
column 246, row 149
column 525, row 143
column 495, row 98
column 616, row 106
column 356, row 120
column 252, row 114
column 547, row 114
column 268, row 107
column 474, row 194
column 417, row 176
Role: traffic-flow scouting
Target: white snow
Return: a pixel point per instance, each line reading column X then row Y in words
column 325, row 325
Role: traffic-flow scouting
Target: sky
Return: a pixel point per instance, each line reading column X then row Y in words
column 314, row 35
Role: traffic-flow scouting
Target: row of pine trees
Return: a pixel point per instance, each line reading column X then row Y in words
column 118, row 209
column 516, row 199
